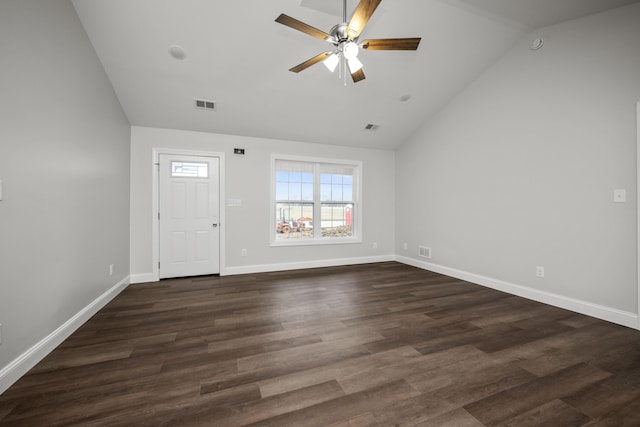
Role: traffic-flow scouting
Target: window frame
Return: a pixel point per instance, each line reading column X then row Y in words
column 317, row 202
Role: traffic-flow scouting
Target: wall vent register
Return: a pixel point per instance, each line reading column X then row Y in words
column 204, row 104
column 424, row 252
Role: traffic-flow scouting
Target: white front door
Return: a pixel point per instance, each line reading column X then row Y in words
column 189, row 210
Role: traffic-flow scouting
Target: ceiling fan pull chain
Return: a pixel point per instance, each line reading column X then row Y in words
column 344, row 73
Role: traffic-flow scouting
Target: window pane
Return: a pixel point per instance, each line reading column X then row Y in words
column 295, row 191
column 294, row 181
column 336, row 187
column 294, row 221
column 336, row 193
column 189, row 170
column 282, row 191
column 347, row 193
column 295, row 177
column 337, row 219
column 325, row 192
column 307, row 192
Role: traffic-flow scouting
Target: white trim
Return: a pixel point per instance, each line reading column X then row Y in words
column 638, row 207
column 155, row 232
column 27, row 360
column 609, row 314
column 315, row 242
column 265, row 268
column 142, row 278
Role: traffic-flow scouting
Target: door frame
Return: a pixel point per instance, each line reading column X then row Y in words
column 155, row 202
column 638, row 206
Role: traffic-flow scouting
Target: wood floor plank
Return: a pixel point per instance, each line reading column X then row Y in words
column 554, row 413
column 365, row 345
column 348, row 406
column 507, row 404
column 456, row 418
column 613, row 392
column 338, row 371
column 414, row 411
column 626, row 416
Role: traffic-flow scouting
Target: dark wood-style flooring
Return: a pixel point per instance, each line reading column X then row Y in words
column 382, row 344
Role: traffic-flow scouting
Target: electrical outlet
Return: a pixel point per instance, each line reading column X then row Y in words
column 110, row 269
column 244, row 252
column 620, row 195
column 539, row 271
column 406, row 246
column 375, row 245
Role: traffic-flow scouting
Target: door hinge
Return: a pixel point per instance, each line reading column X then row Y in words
column 158, row 216
column 158, row 265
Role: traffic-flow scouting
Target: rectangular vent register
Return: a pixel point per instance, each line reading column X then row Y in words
column 204, row 104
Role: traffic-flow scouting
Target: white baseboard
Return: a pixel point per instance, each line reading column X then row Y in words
column 27, row 360
column 609, row 314
column 265, row 268
column 142, row 278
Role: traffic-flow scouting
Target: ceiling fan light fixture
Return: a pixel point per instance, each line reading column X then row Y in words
column 354, row 64
column 331, row 62
column 350, row 50
column 344, row 37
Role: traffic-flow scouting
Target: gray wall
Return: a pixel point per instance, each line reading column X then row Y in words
column 518, row 171
column 64, row 163
column 247, row 179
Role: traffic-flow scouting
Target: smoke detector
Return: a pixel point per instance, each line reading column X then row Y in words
column 537, row 43
column 177, row 52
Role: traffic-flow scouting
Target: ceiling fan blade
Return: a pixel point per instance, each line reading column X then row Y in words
column 309, row 62
column 358, row 75
column 360, row 17
column 392, row 44
column 301, row 26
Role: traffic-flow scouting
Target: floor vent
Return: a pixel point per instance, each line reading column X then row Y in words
column 204, row 104
column 424, row 252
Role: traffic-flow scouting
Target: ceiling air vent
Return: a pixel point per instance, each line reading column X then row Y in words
column 204, row 104
column 371, row 126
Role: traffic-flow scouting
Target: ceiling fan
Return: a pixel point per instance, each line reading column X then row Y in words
column 345, row 38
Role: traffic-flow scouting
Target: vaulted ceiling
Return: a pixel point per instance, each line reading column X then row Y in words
column 237, row 56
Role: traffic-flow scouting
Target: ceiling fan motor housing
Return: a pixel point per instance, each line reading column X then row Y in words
column 339, row 33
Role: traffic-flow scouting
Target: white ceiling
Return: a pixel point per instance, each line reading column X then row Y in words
column 239, row 57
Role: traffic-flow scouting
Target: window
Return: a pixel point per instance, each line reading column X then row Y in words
column 189, row 169
column 315, row 201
